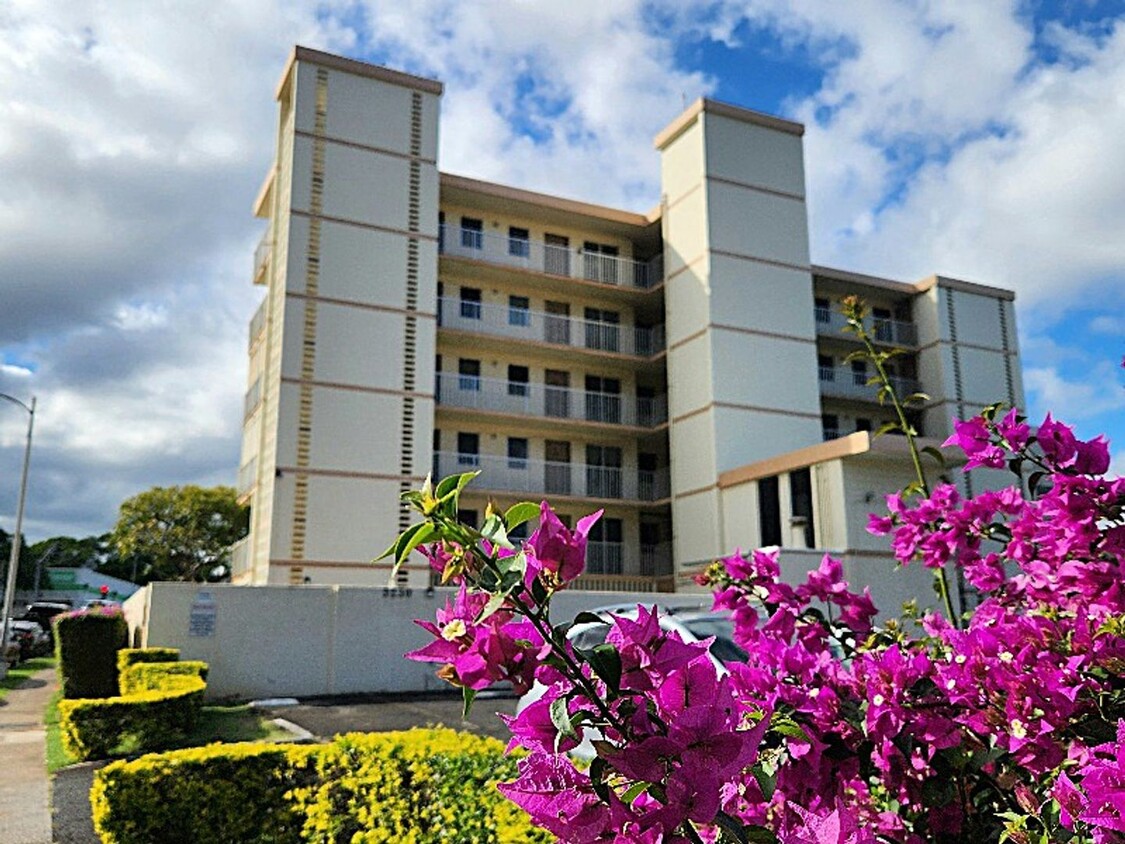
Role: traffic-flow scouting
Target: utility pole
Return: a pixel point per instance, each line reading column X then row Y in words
column 14, row 559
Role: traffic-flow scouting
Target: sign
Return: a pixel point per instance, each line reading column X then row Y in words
column 201, row 620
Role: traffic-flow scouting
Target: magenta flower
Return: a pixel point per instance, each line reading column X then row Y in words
column 553, row 547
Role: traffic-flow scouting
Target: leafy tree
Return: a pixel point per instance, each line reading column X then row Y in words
column 25, row 577
column 183, row 532
column 95, row 552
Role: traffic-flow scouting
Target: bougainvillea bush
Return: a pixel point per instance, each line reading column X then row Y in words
column 1004, row 724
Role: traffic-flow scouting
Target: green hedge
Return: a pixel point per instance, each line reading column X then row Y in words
column 86, row 644
column 152, row 720
column 221, row 794
column 417, row 786
column 128, row 657
column 151, row 676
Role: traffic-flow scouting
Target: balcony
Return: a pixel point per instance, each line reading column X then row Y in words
column 247, row 477
column 546, row 258
column 542, row 400
column 258, row 323
column 240, row 558
column 556, row 329
column 890, row 331
column 253, row 399
column 542, row 478
column 262, row 257
column 846, row 383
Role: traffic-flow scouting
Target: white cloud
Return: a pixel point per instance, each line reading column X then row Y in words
column 1098, row 392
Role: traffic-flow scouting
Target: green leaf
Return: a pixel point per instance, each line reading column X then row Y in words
column 586, row 617
column 606, row 662
column 453, row 485
column 517, row 514
column 494, row 532
column 936, row 454
column 731, row 829
column 633, row 792
column 408, row 540
column 493, row 606
column 886, row 428
column 759, row 835
column 467, row 696
column 560, row 717
column 598, row 770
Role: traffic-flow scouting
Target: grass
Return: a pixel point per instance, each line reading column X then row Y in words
column 216, row 723
column 22, row 672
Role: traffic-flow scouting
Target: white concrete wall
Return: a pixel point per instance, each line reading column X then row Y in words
column 304, row 641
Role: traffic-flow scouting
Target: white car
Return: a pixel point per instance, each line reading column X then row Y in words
column 692, row 623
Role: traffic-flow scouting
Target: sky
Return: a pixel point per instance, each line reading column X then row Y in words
column 979, row 139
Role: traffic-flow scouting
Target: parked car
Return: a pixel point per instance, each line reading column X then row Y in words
column 692, row 623
column 43, row 611
column 33, row 639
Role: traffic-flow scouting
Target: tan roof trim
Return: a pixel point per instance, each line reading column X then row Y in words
column 863, row 279
column 263, row 194
column 358, row 68
column 682, row 123
column 570, row 206
column 964, row 286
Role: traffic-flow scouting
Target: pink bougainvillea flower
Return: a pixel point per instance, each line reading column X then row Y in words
column 553, row 547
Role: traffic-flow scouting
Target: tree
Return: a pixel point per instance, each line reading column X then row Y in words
column 25, row 577
column 183, row 532
column 95, row 552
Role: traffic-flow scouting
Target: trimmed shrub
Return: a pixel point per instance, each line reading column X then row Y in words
column 151, row 676
column 150, row 720
column 127, row 657
column 220, row 794
column 421, row 786
column 86, row 644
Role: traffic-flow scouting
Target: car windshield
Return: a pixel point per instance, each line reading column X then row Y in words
column 723, row 648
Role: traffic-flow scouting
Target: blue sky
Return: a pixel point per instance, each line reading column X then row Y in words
column 979, row 139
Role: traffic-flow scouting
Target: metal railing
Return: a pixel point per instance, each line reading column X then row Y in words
column 542, row 327
column 247, row 476
column 253, row 399
column 258, row 323
column 604, row 557
column 240, row 557
column 590, row 582
column 262, row 256
column 547, row 258
column 656, row 560
column 844, row 382
column 893, row 331
column 545, row 477
column 532, row 398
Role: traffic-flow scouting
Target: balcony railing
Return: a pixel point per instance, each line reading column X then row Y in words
column 261, row 257
column 546, row 478
column 546, row 258
column 535, row 399
column 253, row 399
column 656, row 560
column 847, row 383
column 556, row 329
column 892, row 331
column 247, row 476
column 240, row 557
column 604, row 557
column 624, row 583
column 258, row 323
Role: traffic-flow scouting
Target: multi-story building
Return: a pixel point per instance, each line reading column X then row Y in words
column 683, row 369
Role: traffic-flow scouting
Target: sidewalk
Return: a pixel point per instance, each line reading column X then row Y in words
column 25, row 808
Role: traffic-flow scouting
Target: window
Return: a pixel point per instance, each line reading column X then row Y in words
column 441, row 232
column 519, row 242
column 556, row 254
column 769, row 512
column 603, row 399
column 823, row 309
column 556, row 393
column 517, row 380
column 603, row 330
column 603, row 471
column 472, row 233
column 517, row 452
column 519, row 310
column 557, row 469
column 556, row 323
column 470, row 303
column 467, row 517
column 884, row 328
column 468, row 372
column 830, row 422
column 599, row 262
column 859, row 373
column 604, row 548
column 468, row 449
column 801, row 504
column 826, row 368
column 647, row 488
column 862, row 424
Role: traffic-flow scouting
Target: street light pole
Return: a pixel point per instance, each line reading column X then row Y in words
column 14, row 559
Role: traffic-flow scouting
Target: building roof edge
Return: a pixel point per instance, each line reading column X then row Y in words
column 747, row 115
column 358, row 68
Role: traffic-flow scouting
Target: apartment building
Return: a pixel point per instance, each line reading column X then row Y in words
column 683, row 369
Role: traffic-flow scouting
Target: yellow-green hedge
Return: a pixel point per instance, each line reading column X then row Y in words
column 152, row 676
column 411, row 787
column 220, row 794
column 161, row 708
column 127, row 657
